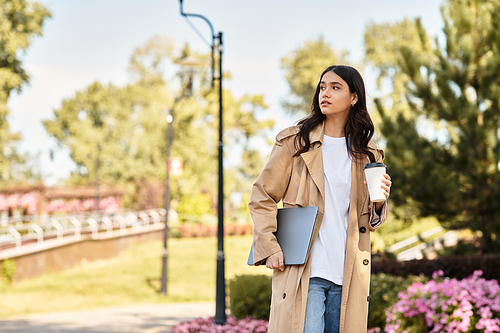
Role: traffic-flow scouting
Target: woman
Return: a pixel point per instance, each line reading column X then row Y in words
column 320, row 163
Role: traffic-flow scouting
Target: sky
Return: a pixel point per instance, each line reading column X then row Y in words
column 92, row 40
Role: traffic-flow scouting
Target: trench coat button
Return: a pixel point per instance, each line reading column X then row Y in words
column 368, row 298
column 284, row 295
column 365, row 262
column 362, row 230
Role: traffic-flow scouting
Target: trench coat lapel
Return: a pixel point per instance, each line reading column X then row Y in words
column 314, row 162
column 313, row 158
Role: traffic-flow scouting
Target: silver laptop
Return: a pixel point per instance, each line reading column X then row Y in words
column 294, row 233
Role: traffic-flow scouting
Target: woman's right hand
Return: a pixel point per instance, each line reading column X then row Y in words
column 276, row 261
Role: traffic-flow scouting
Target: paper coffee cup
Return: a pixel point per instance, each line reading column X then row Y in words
column 374, row 173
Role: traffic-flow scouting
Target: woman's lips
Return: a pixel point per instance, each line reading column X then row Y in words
column 324, row 103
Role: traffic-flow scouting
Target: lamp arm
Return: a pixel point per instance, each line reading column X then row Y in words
column 199, row 16
column 212, row 32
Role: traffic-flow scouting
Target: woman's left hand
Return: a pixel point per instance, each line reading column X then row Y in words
column 386, row 185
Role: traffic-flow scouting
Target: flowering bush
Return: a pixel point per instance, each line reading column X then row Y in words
column 447, row 305
column 74, row 206
column 29, row 202
column 206, row 325
column 3, row 203
column 12, row 200
column 384, row 289
column 56, row 206
column 109, row 205
column 88, row 204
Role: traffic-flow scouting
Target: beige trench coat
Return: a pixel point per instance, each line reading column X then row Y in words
column 299, row 181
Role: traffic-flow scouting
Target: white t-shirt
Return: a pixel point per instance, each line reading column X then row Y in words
column 328, row 253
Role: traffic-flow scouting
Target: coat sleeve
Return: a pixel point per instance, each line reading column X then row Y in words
column 267, row 191
column 376, row 220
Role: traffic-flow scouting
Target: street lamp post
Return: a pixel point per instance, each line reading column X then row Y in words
column 187, row 87
column 220, row 296
column 170, row 136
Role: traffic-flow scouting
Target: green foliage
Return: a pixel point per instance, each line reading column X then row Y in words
column 8, row 270
column 384, row 290
column 117, row 127
column 303, row 67
column 250, row 295
column 15, row 167
column 442, row 116
column 118, row 134
column 252, row 164
column 21, row 22
column 148, row 61
column 192, row 208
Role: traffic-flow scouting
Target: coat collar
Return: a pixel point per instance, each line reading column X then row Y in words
column 316, row 134
column 313, row 158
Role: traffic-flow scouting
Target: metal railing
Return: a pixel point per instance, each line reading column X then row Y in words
column 415, row 247
column 16, row 232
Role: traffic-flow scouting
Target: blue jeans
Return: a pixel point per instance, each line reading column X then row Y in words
column 323, row 307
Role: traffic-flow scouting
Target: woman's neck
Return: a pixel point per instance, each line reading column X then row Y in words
column 334, row 126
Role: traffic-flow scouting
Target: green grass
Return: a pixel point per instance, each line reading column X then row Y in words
column 132, row 278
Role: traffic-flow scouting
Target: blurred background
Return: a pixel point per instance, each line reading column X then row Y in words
column 86, row 48
column 91, row 88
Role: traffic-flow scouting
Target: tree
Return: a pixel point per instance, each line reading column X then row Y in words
column 20, row 22
column 443, row 152
column 119, row 133
column 117, row 129
column 302, row 69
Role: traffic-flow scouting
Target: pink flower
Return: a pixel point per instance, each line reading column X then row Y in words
column 56, row 206
column 3, row 203
column 449, row 305
column 29, row 201
column 75, row 206
column 437, row 273
column 89, row 204
column 199, row 325
column 12, row 201
column 109, row 205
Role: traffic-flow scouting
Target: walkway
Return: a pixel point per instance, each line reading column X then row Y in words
column 151, row 318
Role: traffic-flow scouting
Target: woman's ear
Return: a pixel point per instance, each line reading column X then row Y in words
column 354, row 98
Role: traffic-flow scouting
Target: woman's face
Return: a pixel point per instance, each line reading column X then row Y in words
column 334, row 96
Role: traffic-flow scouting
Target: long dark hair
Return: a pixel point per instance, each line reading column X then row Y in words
column 358, row 128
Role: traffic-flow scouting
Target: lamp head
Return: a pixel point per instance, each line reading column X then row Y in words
column 188, row 65
column 190, row 62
